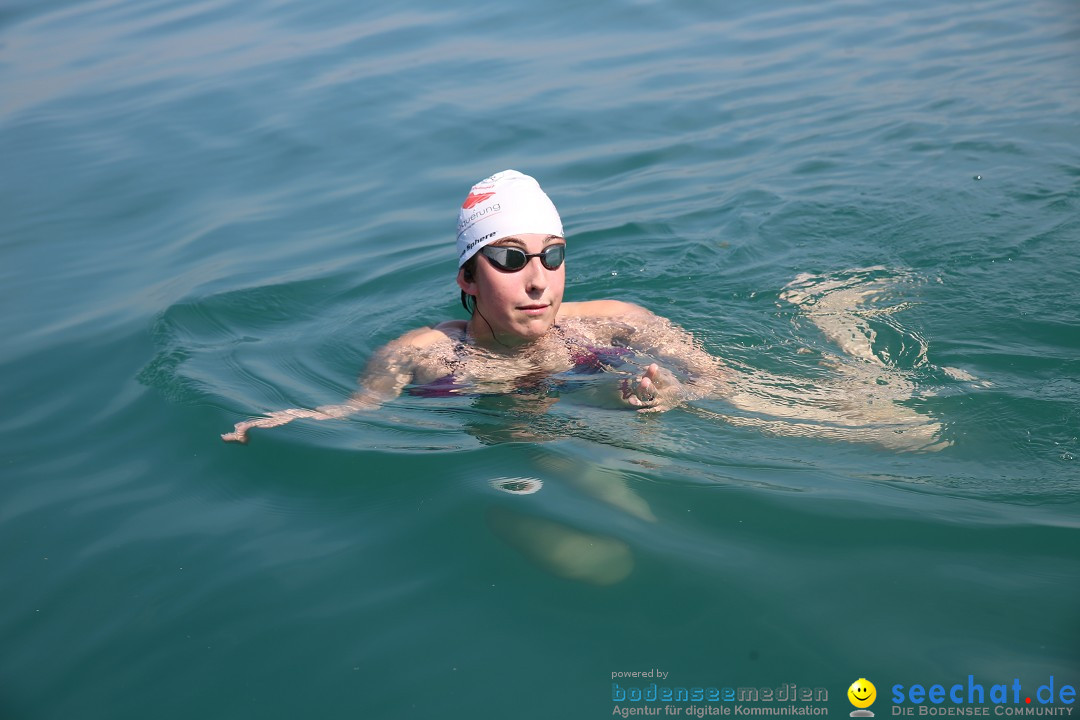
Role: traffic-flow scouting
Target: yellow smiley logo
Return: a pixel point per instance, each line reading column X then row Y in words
column 862, row 693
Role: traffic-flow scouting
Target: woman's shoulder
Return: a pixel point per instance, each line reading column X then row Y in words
column 426, row 337
column 601, row 309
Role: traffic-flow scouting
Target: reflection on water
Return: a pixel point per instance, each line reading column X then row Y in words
column 518, row 485
column 862, row 395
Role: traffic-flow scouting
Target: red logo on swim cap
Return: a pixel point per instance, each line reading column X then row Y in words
column 475, row 199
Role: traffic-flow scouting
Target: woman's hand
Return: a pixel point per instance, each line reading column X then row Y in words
column 656, row 390
column 280, row 417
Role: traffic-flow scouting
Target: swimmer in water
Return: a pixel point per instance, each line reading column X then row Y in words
column 512, row 273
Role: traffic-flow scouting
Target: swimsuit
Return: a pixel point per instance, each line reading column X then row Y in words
column 587, row 361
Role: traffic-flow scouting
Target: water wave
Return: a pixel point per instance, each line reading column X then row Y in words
column 865, row 395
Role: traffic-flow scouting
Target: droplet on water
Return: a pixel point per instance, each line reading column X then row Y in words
column 518, row 486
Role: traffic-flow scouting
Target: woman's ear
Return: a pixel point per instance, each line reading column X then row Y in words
column 466, row 281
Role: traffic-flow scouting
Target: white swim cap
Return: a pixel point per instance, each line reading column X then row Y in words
column 507, row 203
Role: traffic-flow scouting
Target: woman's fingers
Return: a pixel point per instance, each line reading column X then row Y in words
column 644, row 391
column 657, row 390
column 239, row 433
column 650, row 383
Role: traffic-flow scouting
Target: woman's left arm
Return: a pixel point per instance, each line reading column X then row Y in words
column 657, row 388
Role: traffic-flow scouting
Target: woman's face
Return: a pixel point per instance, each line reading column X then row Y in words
column 518, row 306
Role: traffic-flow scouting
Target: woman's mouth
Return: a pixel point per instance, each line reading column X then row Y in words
column 536, row 309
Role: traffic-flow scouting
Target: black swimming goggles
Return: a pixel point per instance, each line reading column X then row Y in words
column 512, row 259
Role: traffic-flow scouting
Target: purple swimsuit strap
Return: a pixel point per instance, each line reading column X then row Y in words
column 445, row 386
column 595, row 359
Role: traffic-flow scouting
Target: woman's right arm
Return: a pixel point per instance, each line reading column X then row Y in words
column 387, row 373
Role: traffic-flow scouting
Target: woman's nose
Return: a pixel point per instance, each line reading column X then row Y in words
column 537, row 278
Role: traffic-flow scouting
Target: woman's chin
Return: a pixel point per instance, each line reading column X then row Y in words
column 534, row 329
